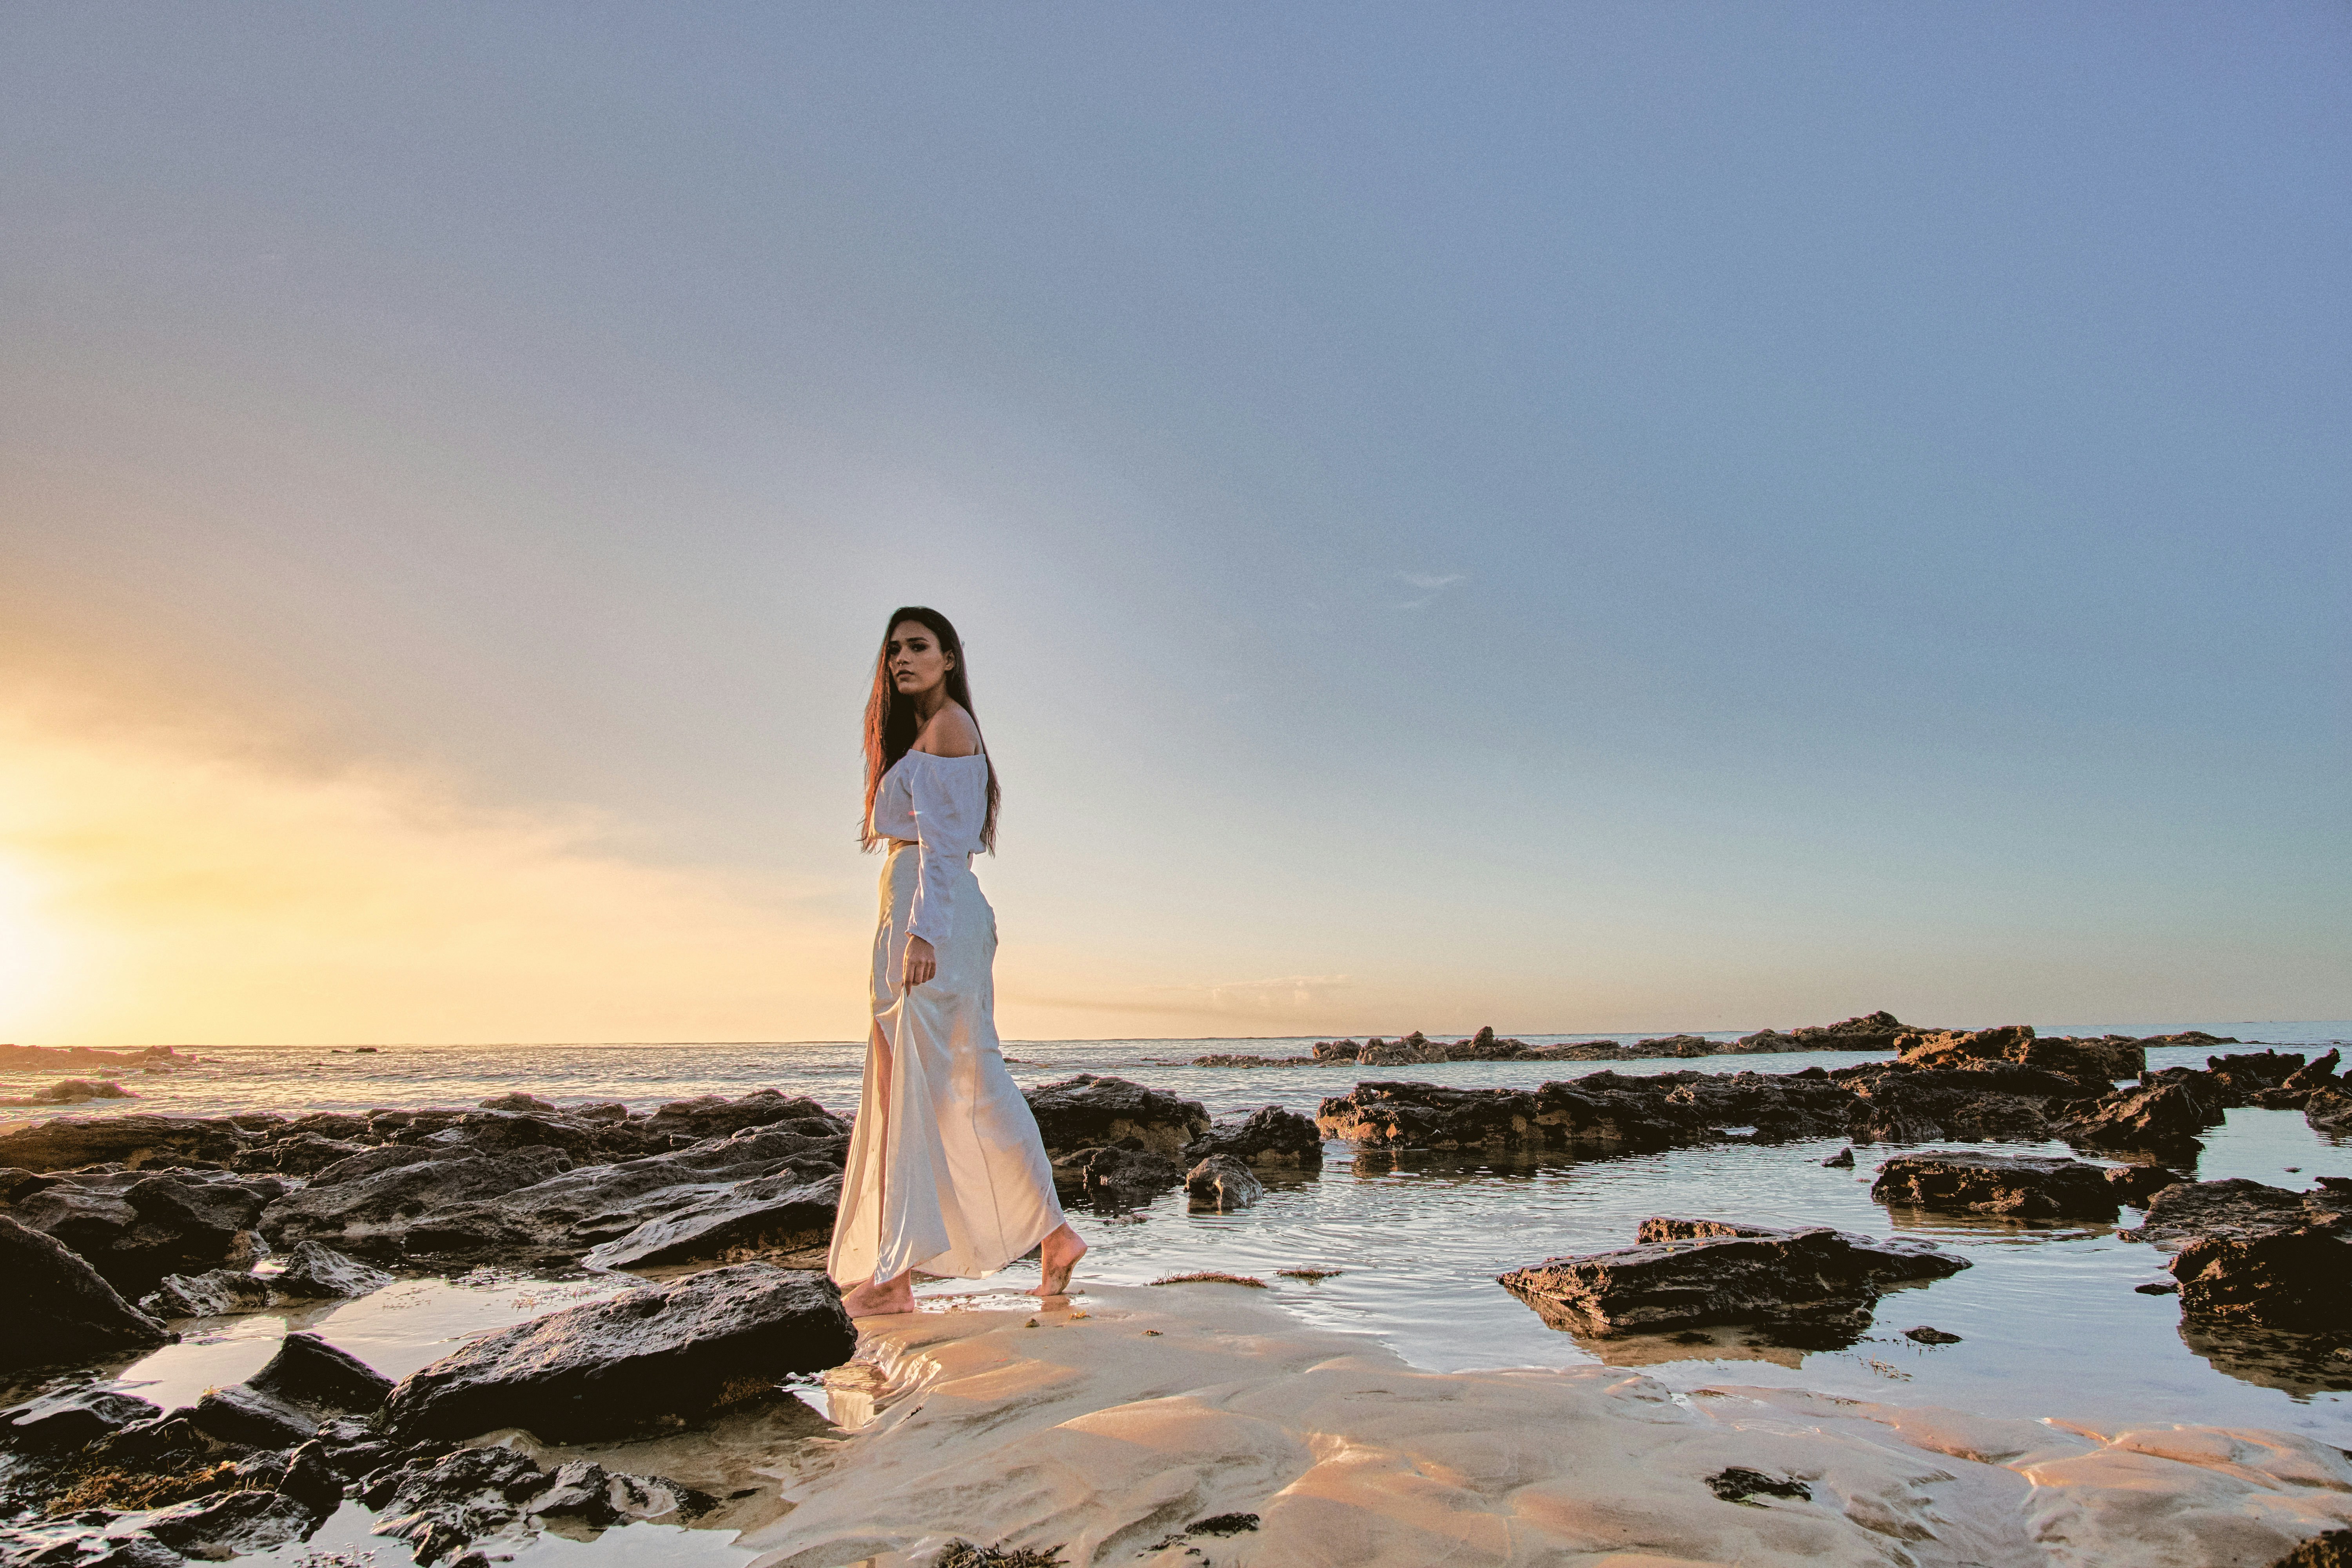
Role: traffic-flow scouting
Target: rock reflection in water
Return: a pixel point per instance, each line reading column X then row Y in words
column 2295, row 1363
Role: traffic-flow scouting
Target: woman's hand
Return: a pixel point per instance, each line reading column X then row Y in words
column 921, row 962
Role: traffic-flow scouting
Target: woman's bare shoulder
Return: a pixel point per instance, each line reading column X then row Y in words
column 951, row 733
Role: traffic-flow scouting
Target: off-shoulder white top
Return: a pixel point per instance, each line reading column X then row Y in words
column 941, row 802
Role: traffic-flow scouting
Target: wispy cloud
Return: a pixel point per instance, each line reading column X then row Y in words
column 1429, row 585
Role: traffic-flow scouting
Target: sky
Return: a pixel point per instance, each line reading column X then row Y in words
column 1568, row 517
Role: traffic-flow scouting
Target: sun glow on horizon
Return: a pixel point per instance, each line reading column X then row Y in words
column 168, row 885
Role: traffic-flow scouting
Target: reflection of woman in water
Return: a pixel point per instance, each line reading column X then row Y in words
column 946, row 1171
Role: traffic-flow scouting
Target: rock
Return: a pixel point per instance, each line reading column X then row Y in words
column 1841, row 1161
column 67, row 1421
column 439, row 1504
column 206, row 1295
column 2165, row 1119
column 1557, row 1116
column 375, row 1215
column 1899, row 1103
column 2319, row 1073
column 304, row 1154
column 243, row 1415
column 310, row 1477
column 61, row 1308
column 2251, row 1256
column 368, row 1161
column 69, row 1142
column 2329, row 1548
column 2092, row 1065
column 1870, row 1032
column 757, row 1218
column 2135, row 1184
column 710, row 1116
column 232, row 1524
column 1090, row 1112
column 139, row 1550
column 2249, row 1078
column 15, row 1183
column 558, row 1219
column 1413, row 1050
column 156, row 1226
column 2329, row 1109
column 1815, row 1277
column 1269, row 1137
column 2020, row 1186
column 311, row 1375
column 1222, row 1182
column 582, row 1491
column 1118, row 1178
column 2235, row 1208
column 1925, row 1335
column 316, row 1273
column 1660, row 1228
column 660, row 1357
column 2299, row 1278
column 523, row 1104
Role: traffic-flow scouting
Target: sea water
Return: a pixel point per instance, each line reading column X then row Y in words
column 2049, row 1322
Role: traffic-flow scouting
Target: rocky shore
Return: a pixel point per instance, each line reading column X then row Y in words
column 117, row 1232
column 1879, row 1031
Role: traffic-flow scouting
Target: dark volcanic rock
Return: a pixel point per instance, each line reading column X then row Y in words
column 60, row 1308
column 2165, row 1119
column 1118, row 1177
column 133, row 1141
column 2022, row 1186
column 567, row 1214
column 153, row 1226
column 2299, row 1278
column 1222, row 1182
column 1814, row 1275
column 1269, row 1138
column 1662, row 1227
column 2135, row 1184
column 304, row 1154
column 374, row 1214
column 2249, row 1078
column 1090, row 1112
column 316, row 1273
column 248, row 1418
column 1870, row 1032
column 1902, row 1104
column 2255, row 1255
column 657, row 1358
column 2235, row 1207
column 2330, row 1549
column 315, row 1377
column 710, row 1116
column 18, row 1183
column 66, row 1421
column 205, row 1295
column 2329, row 1109
column 232, row 1524
column 757, row 1218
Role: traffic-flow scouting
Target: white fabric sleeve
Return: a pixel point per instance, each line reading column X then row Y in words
column 949, row 804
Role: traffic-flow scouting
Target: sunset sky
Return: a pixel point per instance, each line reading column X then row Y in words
column 1570, row 517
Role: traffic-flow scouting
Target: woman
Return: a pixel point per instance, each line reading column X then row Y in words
column 946, row 1171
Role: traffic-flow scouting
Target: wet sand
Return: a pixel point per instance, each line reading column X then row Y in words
column 1113, row 1423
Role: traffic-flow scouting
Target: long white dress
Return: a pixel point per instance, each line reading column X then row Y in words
column 947, row 1174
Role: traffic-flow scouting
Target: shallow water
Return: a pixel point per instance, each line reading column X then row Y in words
column 2049, row 1322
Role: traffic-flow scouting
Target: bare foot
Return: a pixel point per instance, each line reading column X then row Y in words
column 1056, row 1255
column 880, row 1299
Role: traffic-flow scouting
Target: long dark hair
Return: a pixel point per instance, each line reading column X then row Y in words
column 890, row 723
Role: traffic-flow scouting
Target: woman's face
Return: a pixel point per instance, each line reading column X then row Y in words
column 918, row 663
